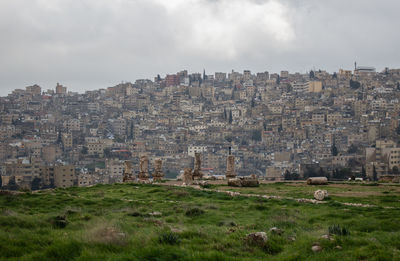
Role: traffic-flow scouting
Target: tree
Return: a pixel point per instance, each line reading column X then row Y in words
column 12, row 184
column 374, row 173
column 230, row 117
column 131, row 131
column 354, row 84
column 334, row 150
column 35, row 185
column 312, row 74
column 287, row 175
column 395, row 170
column 291, row 176
column 363, row 172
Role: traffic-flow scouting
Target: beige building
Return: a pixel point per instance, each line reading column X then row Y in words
column 315, row 86
column 64, row 176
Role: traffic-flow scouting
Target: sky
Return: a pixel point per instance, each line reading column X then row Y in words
column 93, row 44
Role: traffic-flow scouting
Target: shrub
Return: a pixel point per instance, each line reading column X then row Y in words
column 169, row 238
column 59, row 221
column 337, row 230
column 194, row 212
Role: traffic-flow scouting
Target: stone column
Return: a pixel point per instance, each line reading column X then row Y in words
column 187, row 176
column 158, row 173
column 230, row 166
column 197, row 174
column 144, row 168
column 128, row 175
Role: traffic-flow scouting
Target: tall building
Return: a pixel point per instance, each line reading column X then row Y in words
column 61, row 89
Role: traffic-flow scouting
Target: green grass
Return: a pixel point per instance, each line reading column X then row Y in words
column 114, row 222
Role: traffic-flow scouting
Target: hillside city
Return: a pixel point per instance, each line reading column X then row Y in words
column 278, row 126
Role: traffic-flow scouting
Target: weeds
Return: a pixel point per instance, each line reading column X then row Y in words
column 169, row 238
column 194, row 212
column 337, row 230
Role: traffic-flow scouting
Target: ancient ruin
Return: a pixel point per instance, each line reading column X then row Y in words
column 230, row 166
column 158, row 174
column 187, row 176
column 144, row 168
column 246, row 181
column 128, row 173
column 197, row 174
column 320, row 194
column 317, row 181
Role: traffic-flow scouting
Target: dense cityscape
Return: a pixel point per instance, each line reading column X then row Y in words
column 279, row 126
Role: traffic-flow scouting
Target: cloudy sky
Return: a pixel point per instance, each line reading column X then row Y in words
column 91, row 44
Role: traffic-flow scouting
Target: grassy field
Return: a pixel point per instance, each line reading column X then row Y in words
column 150, row 222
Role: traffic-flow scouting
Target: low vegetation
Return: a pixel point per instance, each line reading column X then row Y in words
column 148, row 222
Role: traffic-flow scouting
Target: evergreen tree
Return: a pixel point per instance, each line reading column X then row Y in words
column 312, row 74
column 363, row 172
column 287, row 175
column 374, row 173
column 35, row 184
column 131, row 131
column 334, row 150
column 230, row 117
column 12, row 184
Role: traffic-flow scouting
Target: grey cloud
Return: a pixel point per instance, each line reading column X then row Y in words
column 97, row 43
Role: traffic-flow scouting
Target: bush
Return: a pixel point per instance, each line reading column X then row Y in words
column 194, row 212
column 59, row 221
column 169, row 238
column 337, row 230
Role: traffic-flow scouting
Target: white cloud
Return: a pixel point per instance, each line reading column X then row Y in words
column 227, row 28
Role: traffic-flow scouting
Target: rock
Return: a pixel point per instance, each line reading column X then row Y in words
column 325, row 237
column 250, row 182
column 320, row 194
column 155, row 214
column 258, row 238
column 292, row 238
column 338, row 247
column 187, row 176
column 317, row 181
column 201, row 183
column 276, row 231
column 316, row 247
column 234, row 182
